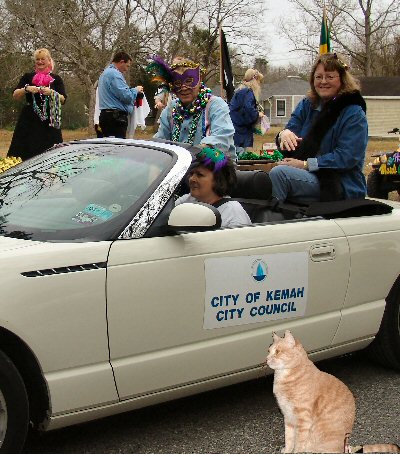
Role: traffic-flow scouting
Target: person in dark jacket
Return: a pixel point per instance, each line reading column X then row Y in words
column 325, row 139
column 245, row 109
column 39, row 124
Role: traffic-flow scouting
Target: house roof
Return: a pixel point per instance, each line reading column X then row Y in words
column 380, row 86
column 291, row 85
column 294, row 85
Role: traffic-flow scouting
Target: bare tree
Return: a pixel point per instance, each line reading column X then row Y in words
column 358, row 28
column 83, row 34
column 190, row 28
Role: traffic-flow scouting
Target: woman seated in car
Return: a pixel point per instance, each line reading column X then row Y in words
column 325, row 139
column 211, row 178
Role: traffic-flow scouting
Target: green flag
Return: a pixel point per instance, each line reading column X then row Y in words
column 324, row 41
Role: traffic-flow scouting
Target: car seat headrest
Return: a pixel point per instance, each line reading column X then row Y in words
column 93, row 190
column 252, row 184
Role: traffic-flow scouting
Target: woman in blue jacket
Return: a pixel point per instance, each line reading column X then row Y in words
column 325, row 139
column 245, row 109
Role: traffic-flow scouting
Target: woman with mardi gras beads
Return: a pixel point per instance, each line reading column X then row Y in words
column 39, row 124
column 211, row 177
column 325, row 139
column 195, row 116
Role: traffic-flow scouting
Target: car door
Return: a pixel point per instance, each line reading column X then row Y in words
column 375, row 266
column 200, row 305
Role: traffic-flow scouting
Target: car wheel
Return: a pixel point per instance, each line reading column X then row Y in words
column 385, row 349
column 374, row 186
column 14, row 408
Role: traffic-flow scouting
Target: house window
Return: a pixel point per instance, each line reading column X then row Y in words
column 281, row 107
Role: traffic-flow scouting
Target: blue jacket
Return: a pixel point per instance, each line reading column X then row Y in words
column 214, row 128
column 114, row 92
column 244, row 114
column 342, row 148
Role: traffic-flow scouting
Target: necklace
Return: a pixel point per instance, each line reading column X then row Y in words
column 194, row 110
column 42, row 110
column 55, row 110
column 49, row 109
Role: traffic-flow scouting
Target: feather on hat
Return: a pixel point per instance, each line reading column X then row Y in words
column 161, row 70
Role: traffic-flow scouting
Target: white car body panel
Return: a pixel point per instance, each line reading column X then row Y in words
column 72, row 349
column 154, row 352
column 359, row 322
column 370, row 242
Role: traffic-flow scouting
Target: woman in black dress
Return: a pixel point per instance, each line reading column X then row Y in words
column 39, row 124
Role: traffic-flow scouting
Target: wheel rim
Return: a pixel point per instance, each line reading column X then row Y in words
column 3, row 418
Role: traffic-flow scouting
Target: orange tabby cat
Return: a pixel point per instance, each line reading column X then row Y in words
column 318, row 409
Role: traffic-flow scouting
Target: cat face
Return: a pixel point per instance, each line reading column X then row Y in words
column 284, row 352
column 275, row 358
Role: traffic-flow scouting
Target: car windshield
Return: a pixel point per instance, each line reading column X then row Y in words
column 79, row 191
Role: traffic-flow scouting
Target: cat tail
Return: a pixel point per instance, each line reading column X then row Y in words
column 386, row 447
column 390, row 447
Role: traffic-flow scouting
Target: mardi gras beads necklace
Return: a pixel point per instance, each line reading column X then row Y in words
column 194, row 110
column 42, row 110
column 55, row 110
column 49, row 109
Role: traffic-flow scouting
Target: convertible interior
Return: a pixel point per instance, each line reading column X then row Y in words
column 254, row 192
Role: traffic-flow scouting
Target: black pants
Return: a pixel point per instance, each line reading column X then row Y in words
column 113, row 123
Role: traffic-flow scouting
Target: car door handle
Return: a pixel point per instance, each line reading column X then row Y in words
column 322, row 252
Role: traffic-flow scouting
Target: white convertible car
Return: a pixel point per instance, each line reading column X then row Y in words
column 113, row 299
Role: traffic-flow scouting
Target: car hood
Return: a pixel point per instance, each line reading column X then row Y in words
column 8, row 244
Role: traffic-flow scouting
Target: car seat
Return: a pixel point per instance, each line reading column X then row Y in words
column 254, row 192
column 93, row 190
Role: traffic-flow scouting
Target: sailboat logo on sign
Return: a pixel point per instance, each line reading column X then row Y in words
column 259, row 270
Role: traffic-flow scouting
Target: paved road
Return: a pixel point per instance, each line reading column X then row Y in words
column 241, row 419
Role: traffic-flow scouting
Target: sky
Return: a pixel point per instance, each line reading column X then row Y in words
column 279, row 54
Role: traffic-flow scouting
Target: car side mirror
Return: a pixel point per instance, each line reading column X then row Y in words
column 194, row 217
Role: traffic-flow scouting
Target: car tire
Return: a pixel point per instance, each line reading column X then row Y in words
column 374, row 186
column 14, row 408
column 385, row 348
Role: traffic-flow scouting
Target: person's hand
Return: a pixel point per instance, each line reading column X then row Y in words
column 288, row 140
column 261, row 114
column 32, row 89
column 291, row 162
column 139, row 88
column 45, row 90
column 159, row 105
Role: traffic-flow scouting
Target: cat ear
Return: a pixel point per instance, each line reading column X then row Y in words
column 289, row 338
column 275, row 337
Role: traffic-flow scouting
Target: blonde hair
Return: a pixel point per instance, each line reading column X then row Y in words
column 46, row 54
column 252, row 79
column 333, row 62
column 43, row 51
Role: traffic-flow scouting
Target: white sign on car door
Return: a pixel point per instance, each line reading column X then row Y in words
column 252, row 289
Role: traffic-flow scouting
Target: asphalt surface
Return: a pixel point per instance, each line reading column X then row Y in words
column 240, row 419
